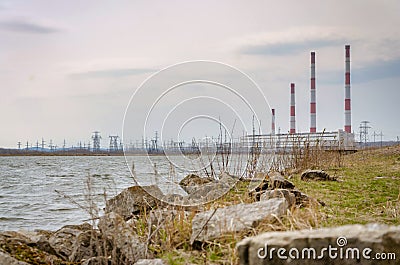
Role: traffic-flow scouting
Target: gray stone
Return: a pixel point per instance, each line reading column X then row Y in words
column 68, row 240
column 279, row 193
column 22, row 241
column 123, row 239
column 150, row 262
column 277, row 181
column 6, row 259
column 379, row 238
column 96, row 261
column 209, row 192
column 134, row 199
column 316, row 175
column 191, row 182
column 213, row 224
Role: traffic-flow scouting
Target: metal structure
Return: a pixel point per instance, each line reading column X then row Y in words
column 364, row 126
column 96, row 140
column 292, row 109
column 114, row 146
column 347, row 102
column 284, row 143
column 313, row 114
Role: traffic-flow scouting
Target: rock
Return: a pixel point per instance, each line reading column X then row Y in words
column 279, row 193
column 302, row 199
column 150, row 262
column 213, row 224
column 96, row 261
column 191, row 182
column 174, row 199
column 73, row 242
column 316, row 175
column 257, row 186
column 228, row 178
column 6, row 259
column 379, row 238
column 277, row 181
column 208, row 192
column 124, row 241
column 19, row 244
column 133, row 199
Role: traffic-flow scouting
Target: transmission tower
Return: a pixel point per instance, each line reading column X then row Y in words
column 364, row 126
column 19, row 145
column 113, row 143
column 96, row 140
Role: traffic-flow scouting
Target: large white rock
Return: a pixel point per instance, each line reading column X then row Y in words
column 213, row 224
column 352, row 244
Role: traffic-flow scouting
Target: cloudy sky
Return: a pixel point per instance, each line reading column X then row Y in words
column 68, row 68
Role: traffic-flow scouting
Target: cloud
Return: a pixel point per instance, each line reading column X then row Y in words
column 290, row 47
column 111, row 73
column 377, row 71
column 370, row 72
column 24, row 26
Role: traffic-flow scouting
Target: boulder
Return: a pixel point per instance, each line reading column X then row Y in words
column 279, row 193
column 122, row 238
column 96, row 261
column 133, row 199
column 6, row 259
column 316, row 175
column 359, row 242
column 19, row 244
column 191, row 182
column 277, row 181
column 214, row 224
column 73, row 242
column 208, row 192
column 150, row 262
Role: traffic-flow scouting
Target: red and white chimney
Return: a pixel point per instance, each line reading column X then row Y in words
column 313, row 113
column 347, row 103
column 273, row 122
column 292, row 110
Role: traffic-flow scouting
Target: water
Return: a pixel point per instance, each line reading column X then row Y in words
column 28, row 197
column 28, row 185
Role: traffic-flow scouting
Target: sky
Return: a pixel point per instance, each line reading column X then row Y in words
column 69, row 68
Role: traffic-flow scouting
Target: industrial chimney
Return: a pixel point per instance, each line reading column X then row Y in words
column 292, row 110
column 313, row 114
column 273, row 122
column 347, row 103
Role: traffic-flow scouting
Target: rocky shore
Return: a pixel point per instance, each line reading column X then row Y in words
column 141, row 225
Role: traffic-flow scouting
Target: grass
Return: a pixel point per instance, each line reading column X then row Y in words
column 369, row 189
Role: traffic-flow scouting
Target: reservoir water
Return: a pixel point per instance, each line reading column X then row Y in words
column 46, row 192
column 28, row 185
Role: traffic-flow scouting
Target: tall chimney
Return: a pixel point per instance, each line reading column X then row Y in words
column 273, row 122
column 347, row 103
column 292, row 110
column 313, row 113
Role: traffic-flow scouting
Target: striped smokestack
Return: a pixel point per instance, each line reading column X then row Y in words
column 273, row 122
column 347, row 103
column 292, row 110
column 313, row 113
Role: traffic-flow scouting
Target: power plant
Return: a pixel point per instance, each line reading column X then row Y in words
column 337, row 140
column 342, row 139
